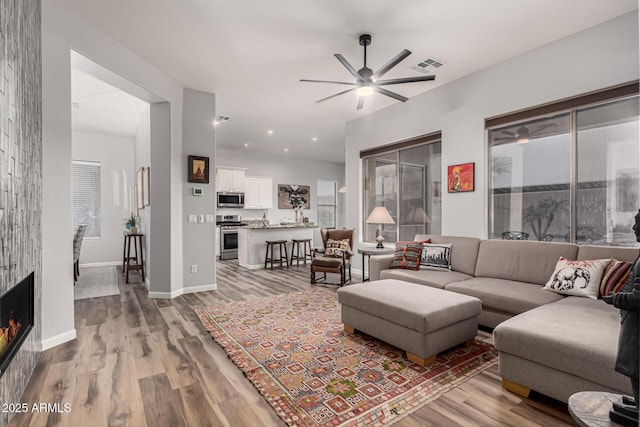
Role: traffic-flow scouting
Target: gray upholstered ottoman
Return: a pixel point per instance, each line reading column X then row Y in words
column 418, row 319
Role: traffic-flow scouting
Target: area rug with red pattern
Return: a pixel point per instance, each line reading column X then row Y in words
column 294, row 350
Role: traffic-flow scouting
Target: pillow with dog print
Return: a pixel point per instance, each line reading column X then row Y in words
column 577, row 278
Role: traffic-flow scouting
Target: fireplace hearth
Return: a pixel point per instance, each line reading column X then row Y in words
column 16, row 319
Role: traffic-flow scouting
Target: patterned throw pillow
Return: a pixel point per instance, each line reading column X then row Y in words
column 436, row 256
column 577, row 278
column 407, row 255
column 336, row 248
column 615, row 275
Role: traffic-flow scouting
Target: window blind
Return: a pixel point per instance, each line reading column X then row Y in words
column 85, row 181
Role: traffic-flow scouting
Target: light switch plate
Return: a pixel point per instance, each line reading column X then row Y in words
column 201, row 218
column 210, row 218
column 193, row 219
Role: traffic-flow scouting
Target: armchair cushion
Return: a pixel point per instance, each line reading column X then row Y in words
column 336, row 248
column 325, row 261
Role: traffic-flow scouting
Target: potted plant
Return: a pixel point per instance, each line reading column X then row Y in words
column 132, row 223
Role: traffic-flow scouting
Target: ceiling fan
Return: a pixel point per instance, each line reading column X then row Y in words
column 522, row 135
column 367, row 81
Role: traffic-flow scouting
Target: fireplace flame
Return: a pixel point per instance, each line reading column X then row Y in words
column 8, row 334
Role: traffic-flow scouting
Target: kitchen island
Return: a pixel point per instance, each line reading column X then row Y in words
column 252, row 245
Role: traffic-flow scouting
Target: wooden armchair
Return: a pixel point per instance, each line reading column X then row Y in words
column 322, row 263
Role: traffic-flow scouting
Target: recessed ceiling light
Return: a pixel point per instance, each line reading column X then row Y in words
column 246, row 145
column 270, row 132
column 75, row 104
column 314, row 139
column 286, row 150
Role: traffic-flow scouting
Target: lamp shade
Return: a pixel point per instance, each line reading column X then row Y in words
column 342, row 190
column 380, row 215
column 417, row 216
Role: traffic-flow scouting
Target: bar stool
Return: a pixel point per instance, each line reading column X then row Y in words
column 295, row 251
column 281, row 259
column 137, row 258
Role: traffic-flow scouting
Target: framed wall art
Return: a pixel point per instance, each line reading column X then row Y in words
column 198, row 169
column 461, row 178
column 140, row 188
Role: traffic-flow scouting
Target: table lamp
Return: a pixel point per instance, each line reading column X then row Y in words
column 380, row 215
column 417, row 216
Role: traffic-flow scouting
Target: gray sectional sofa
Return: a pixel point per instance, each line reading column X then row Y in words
column 556, row 345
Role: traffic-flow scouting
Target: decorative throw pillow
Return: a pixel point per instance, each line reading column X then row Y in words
column 436, row 256
column 615, row 275
column 407, row 255
column 577, row 278
column 336, row 248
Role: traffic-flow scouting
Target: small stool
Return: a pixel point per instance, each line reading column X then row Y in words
column 137, row 258
column 281, row 259
column 295, row 251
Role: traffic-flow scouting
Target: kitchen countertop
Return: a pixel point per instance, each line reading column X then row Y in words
column 278, row 226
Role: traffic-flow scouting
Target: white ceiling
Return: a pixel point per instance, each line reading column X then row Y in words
column 252, row 53
column 98, row 107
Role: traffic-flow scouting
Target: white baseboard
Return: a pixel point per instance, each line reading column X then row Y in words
column 357, row 271
column 58, row 339
column 147, row 283
column 252, row 266
column 178, row 292
column 101, row 264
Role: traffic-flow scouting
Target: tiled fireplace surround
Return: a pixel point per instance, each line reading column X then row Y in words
column 20, row 174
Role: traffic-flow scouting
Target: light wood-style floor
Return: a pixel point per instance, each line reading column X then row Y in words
column 144, row 362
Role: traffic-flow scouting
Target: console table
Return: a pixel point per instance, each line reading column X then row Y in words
column 135, row 262
column 369, row 252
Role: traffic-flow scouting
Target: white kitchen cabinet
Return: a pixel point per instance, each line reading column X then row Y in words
column 258, row 193
column 230, row 180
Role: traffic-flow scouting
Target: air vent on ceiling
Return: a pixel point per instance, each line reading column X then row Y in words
column 428, row 66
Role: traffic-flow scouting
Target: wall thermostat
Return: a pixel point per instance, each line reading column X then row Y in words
column 197, row 191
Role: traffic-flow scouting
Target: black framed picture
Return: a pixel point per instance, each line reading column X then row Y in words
column 198, row 169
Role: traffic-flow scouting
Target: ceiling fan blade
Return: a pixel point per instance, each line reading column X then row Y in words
column 504, row 138
column 333, row 96
column 389, row 93
column 389, row 65
column 542, row 128
column 327, row 81
column 348, row 66
column 360, row 102
column 508, row 132
column 405, row 80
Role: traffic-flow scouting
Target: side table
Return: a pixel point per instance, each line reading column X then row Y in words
column 137, row 258
column 369, row 252
column 591, row 408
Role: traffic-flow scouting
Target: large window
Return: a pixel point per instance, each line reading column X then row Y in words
column 406, row 179
column 85, row 195
column 568, row 176
column 326, row 204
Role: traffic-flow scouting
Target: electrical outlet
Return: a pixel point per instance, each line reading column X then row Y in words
column 194, row 268
column 210, row 218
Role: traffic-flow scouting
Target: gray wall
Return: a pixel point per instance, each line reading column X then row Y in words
column 21, row 175
column 555, row 71
column 142, row 158
column 115, row 153
column 198, row 139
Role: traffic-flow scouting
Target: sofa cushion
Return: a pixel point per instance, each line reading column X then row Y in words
column 522, row 261
column 506, row 296
column 598, row 252
column 464, row 251
column 433, row 278
column 435, row 256
column 615, row 276
column 577, row 278
column 574, row 335
column 407, row 255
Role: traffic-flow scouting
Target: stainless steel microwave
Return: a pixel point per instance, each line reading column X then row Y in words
column 230, row 200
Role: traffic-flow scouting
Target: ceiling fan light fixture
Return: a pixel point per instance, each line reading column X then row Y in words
column 522, row 140
column 364, row 91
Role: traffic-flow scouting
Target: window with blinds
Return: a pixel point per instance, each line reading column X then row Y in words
column 85, row 181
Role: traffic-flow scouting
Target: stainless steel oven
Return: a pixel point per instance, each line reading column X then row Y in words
column 229, row 225
column 228, row 242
